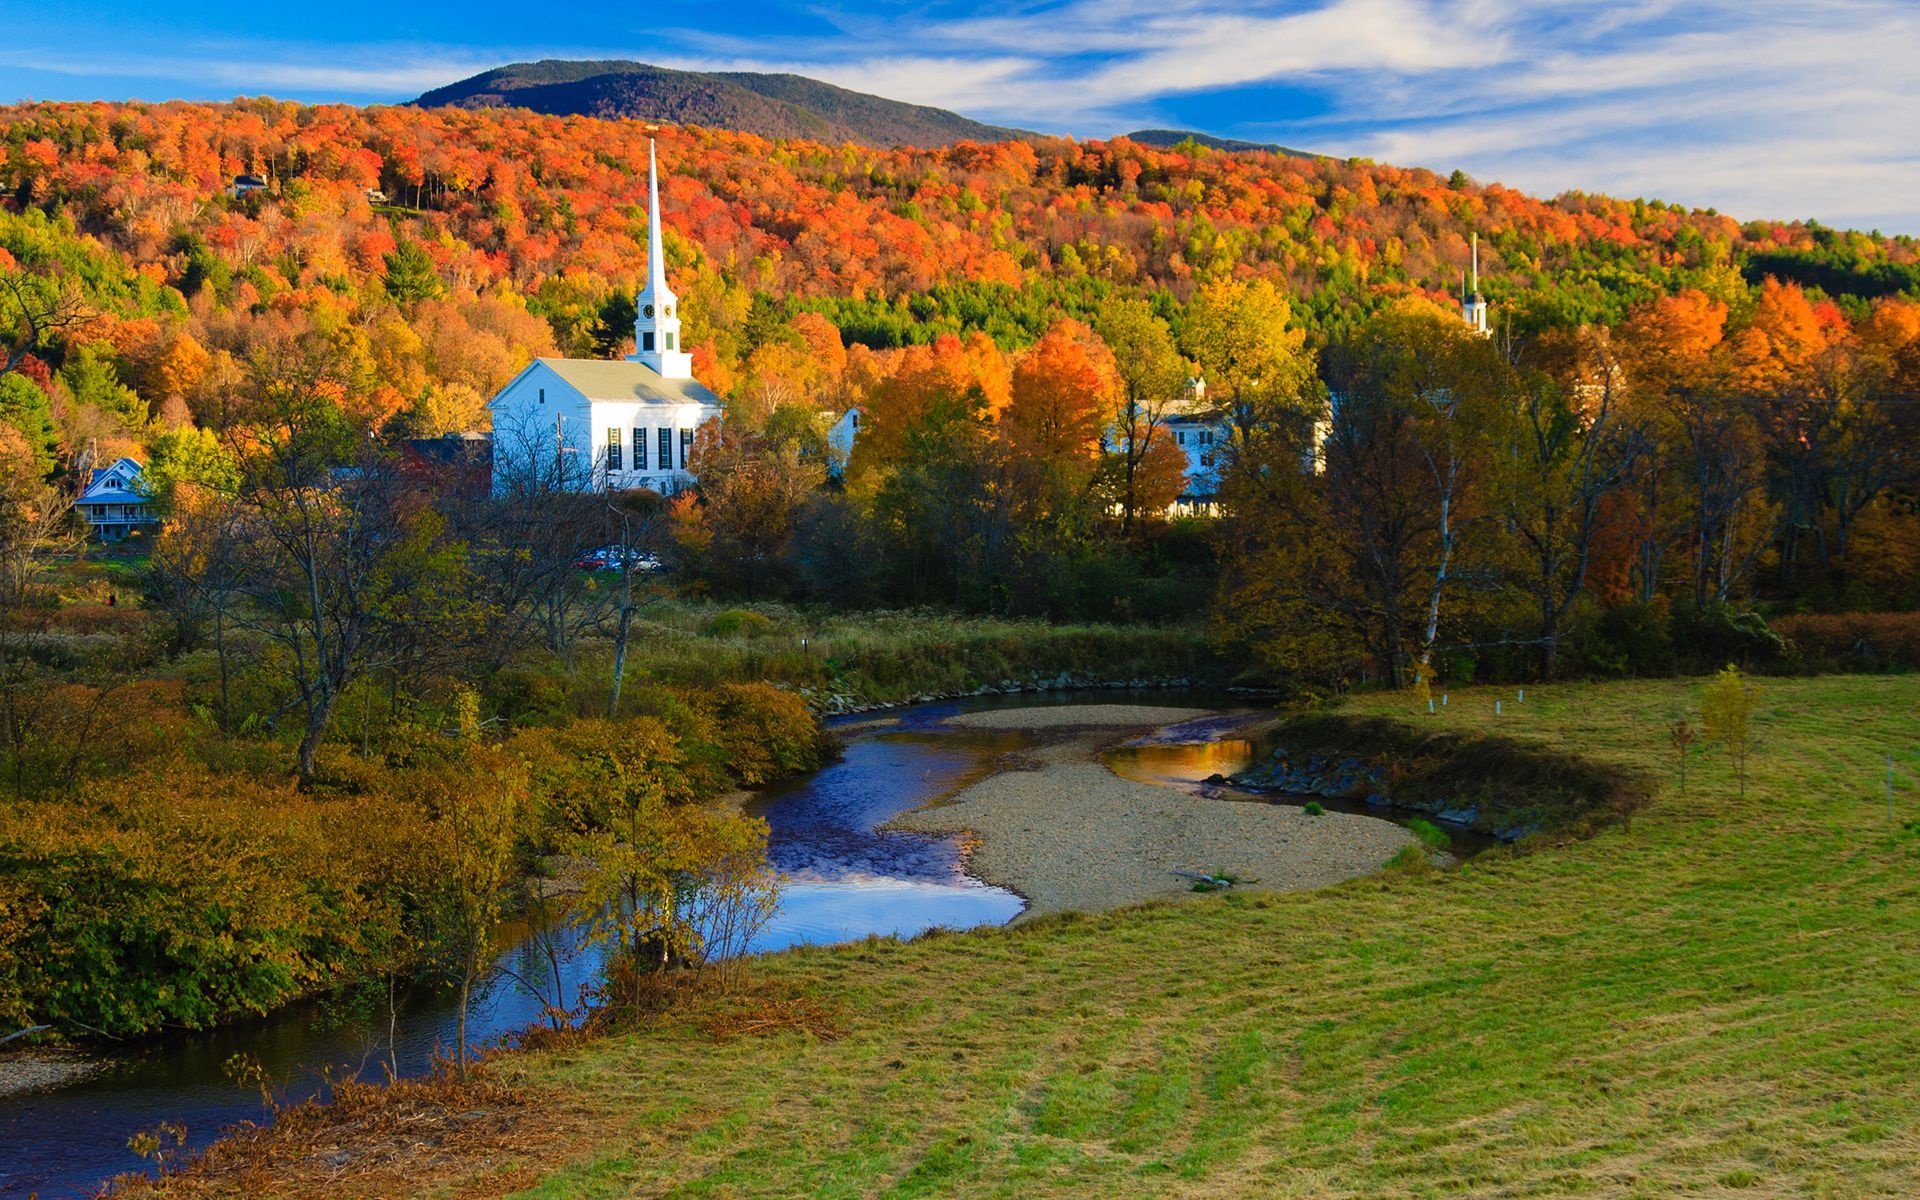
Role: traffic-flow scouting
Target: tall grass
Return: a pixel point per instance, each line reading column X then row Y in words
column 875, row 657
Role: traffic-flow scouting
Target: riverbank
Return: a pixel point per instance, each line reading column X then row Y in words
column 1070, row 835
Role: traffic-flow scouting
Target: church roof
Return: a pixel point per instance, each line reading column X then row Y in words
column 618, row 379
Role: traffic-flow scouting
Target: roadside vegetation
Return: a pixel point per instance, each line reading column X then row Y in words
column 1718, row 1001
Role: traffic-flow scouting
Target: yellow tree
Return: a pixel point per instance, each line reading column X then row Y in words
column 1726, row 710
column 1254, row 364
column 1152, row 379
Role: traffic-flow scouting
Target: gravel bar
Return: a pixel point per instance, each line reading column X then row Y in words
column 1071, row 835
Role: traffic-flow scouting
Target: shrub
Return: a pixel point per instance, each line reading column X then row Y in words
column 1314, row 808
column 766, row 733
column 187, row 897
column 1632, row 639
column 1512, row 784
column 1853, row 641
column 1714, row 634
column 528, row 696
column 742, row 623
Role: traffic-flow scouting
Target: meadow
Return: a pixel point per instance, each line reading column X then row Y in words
column 1721, row 1001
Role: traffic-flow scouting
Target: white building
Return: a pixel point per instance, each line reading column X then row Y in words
column 585, row 424
column 840, row 438
column 1202, row 435
column 114, row 503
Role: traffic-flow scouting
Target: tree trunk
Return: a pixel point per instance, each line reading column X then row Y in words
column 466, row 990
column 220, row 655
column 620, row 638
column 319, row 712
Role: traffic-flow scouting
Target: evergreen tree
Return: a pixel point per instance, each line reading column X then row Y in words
column 92, row 378
column 411, row 277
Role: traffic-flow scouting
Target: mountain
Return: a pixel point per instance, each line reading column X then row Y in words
column 772, row 106
column 1164, row 138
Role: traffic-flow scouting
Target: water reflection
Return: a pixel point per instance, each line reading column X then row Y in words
column 1181, row 765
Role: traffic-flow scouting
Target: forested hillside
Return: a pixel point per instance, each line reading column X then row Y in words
column 1728, row 395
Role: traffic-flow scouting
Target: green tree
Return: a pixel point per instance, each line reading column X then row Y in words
column 94, row 381
column 475, row 810
column 1153, row 379
column 411, row 276
column 187, row 458
column 26, row 408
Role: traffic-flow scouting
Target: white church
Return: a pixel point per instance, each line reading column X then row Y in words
column 575, row 424
column 582, row 424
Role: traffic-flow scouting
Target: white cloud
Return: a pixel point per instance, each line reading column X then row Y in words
column 255, row 69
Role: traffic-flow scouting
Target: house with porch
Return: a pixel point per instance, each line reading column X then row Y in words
column 115, row 502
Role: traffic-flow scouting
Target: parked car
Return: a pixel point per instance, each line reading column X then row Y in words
column 613, row 558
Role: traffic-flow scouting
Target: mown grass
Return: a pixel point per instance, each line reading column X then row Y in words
column 1722, row 1001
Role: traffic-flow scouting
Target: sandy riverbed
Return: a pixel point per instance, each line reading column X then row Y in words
column 1070, row 834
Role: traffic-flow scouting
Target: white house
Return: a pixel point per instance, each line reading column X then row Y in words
column 585, row 424
column 1202, row 435
column 840, row 439
column 114, row 503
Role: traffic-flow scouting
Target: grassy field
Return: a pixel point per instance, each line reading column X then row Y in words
column 1725, row 1001
column 868, row 657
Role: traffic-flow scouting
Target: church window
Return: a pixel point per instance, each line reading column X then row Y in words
column 639, row 448
column 613, row 448
column 686, row 444
column 666, row 449
column 646, row 340
column 669, row 339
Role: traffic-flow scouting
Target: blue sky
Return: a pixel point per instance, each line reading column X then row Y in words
column 1761, row 108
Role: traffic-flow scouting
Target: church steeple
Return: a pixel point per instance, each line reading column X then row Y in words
column 1473, row 306
column 656, row 323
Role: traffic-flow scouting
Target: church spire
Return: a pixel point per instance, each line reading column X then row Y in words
column 1473, row 306
column 656, row 324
